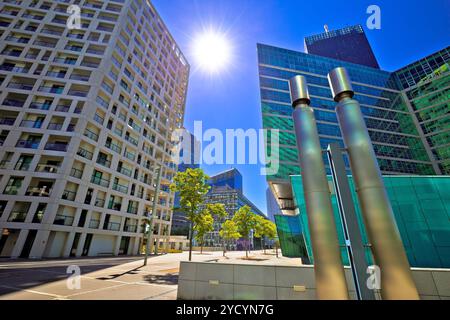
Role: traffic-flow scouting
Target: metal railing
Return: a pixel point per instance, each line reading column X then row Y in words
column 63, row 220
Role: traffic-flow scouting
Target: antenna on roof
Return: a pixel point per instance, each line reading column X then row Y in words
column 326, row 28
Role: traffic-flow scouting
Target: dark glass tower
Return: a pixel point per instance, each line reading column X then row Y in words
column 349, row 44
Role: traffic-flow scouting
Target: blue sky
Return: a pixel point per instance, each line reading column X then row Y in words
column 409, row 31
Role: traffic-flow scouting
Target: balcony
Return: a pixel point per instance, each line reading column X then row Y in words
column 130, row 228
column 14, row 103
column 99, row 203
column 7, row 121
column 14, row 69
column 85, row 153
column 76, row 173
column 40, row 106
column 104, row 162
column 79, row 77
column 56, row 74
column 132, row 210
column 74, row 48
column 11, row 190
column 21, row 86
column 131, row 140
column 42, row 167
column 130, row 155
column 55, row 126
column 91, row 135
column 115, row 206
column 125, row 171
column 94, row 224
column 62, row 108
column 100, row 181
column 29, row 144
column 78, row 93
column 61, row 147
column 46, row 44
column 120, row 188
column 17, row 217
column 4, row 164
column 89, row 64
column 63, row 220
column 31, row 124
column 113, row 226
column 70, row 61
column 17, row 40
column 38, row 192
column 57, row 90
column 114, row 147
column 69, row 195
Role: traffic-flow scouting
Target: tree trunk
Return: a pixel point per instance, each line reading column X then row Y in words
column 201, row 247
column 190, row 241
column 224, row 248
column 247, row 243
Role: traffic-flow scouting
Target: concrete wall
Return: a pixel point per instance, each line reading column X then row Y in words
column 221, row 281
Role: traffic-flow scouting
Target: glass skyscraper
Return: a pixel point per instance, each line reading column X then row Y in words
column 426, row 85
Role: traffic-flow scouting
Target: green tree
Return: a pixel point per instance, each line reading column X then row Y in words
column 219, row 214
column 204, row 224
column 245, row 221
column 265, row 229
column 228, row 232
column 218, row 211
column 191, row 186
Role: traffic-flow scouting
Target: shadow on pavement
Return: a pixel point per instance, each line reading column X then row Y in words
column 168, row 279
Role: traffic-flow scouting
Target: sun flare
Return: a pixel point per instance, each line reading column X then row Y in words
column 212, row 51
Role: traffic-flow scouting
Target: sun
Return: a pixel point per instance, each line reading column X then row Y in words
column 212, row 51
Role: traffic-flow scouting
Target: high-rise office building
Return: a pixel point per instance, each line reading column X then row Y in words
column 189, row 159
column 87, row 117
column 231, row 178
column 426, row 91
column 226, row 188
column 347, row 44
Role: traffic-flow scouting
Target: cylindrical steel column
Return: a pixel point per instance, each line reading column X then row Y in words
column 328, row 268
column 387, row 246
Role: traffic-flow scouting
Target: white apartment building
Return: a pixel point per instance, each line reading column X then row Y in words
column 86, row 118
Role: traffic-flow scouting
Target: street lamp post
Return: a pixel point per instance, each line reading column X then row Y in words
column 150, row 220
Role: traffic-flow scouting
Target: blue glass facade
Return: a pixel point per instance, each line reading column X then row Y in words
column 421, row 208
column 231, row 178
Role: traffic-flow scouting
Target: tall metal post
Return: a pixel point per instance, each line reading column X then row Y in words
column 352, row 233
column 329, row 271
column 150, row 223
column 387, row 246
